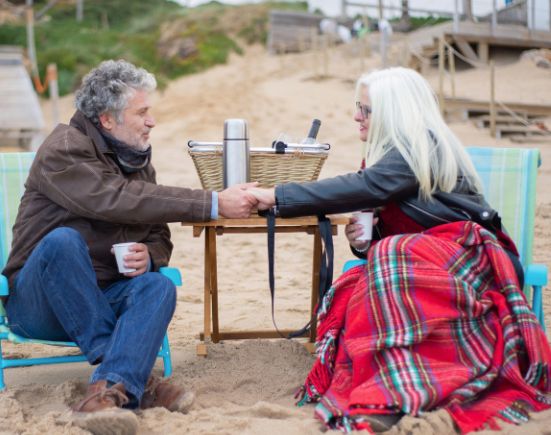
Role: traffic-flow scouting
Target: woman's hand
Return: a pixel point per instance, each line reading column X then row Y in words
column 265, row 197
column 354, row 230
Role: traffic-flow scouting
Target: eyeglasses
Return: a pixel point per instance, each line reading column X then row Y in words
column 364, row 109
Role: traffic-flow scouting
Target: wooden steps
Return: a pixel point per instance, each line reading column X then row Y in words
column 483, row 121
column 21, row 118
column 517, row 130
column 473, row 40
column 480, row 107
column 530, row 139
column 526, row 123
column 506, row 119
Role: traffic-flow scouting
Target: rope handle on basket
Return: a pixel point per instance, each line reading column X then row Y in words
column 326, row 267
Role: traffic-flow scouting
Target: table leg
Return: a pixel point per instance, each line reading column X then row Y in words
column 202, row 347
column 316, row 264
column 206, row 336
column 214, row 284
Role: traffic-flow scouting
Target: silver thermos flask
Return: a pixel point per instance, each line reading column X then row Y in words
column 236, row 152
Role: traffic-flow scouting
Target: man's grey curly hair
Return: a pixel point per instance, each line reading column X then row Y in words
column 108, row 87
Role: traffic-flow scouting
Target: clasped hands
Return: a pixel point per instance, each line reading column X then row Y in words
column 240, row 200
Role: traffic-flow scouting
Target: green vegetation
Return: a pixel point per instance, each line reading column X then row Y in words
column 418, row 22
column 160, row 35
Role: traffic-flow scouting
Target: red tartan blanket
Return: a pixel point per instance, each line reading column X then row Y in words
column 435, row 320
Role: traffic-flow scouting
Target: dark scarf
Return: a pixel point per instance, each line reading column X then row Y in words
column 129, row 159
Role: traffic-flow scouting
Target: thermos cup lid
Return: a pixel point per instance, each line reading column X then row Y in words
column 235, row 129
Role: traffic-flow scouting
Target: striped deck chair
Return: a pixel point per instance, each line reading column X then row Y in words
column 509, row 181
column 14, row 168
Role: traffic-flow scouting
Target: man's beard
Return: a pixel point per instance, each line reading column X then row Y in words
column 142, row 146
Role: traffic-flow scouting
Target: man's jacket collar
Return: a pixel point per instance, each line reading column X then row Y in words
column 86, row 127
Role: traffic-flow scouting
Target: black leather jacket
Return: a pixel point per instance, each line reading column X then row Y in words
column 389, row 180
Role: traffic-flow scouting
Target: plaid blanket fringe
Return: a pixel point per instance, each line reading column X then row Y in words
column 436, row 320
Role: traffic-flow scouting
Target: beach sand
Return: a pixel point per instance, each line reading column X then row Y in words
column 247, row 387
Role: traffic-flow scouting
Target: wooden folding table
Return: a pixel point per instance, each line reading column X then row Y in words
column 254, row 224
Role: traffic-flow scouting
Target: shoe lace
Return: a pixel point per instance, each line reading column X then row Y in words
column 114, row 394
column 152, row 384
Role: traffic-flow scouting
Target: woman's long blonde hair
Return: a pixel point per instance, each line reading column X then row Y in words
column 405, row 115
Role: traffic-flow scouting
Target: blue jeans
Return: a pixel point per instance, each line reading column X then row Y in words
column 56, row 297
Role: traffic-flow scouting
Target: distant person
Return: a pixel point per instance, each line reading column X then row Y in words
column 328, row 26
column 359, row 28
column 92, row 185
column 385, row 33
column 335, row 31
column 437, row 317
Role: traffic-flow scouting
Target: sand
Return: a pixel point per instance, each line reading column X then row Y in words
column 247, row 387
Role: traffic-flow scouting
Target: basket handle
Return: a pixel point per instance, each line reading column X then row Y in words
column 195, row 143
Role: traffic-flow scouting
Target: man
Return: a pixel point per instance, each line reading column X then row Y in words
column 92, row 185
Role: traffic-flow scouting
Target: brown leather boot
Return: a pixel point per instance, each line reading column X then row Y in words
column 99, row 397
column 100, row 411
column 161, row 393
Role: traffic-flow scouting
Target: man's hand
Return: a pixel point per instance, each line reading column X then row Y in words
column 265, row 197
column 137, row 259
column 236, row 201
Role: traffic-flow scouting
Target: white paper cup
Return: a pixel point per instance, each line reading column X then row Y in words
column 365, row 219
column 122, row 249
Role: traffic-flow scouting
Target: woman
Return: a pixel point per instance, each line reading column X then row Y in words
column 437, row 318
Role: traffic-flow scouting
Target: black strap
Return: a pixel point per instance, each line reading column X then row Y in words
column 270, row 218
column 327, row 254
column 326, row 267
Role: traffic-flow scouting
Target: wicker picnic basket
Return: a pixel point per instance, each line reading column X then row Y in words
column 296, row 163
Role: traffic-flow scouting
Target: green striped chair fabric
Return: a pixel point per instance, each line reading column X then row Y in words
column 509, row 181
column 14, row 168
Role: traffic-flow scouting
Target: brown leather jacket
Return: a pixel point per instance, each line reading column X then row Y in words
column 75, row 182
